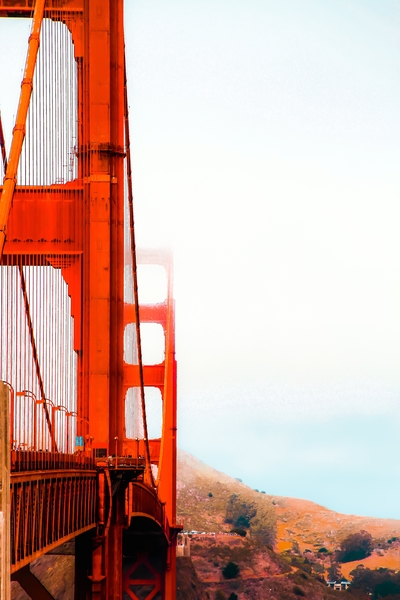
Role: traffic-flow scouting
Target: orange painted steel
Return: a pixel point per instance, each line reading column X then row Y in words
column 142, row 577
column 161, row 376
column 47, row 509
column 20, row 122
column 123, row 489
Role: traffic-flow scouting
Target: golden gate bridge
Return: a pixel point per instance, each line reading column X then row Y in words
column 76, row 452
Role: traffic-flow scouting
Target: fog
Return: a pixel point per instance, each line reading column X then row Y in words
column 265, row 155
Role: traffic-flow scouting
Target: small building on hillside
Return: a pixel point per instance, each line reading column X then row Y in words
column 183, row 545
column 340, row 586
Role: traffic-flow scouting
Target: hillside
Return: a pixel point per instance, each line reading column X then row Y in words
column 198, row 510
column 297, row 520
column 300, row 528
column 311, row 524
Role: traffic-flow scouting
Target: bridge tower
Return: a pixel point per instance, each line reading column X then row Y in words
column 78, row 227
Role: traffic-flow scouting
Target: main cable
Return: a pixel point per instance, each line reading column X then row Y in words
column 20, row 122
column 134, row 273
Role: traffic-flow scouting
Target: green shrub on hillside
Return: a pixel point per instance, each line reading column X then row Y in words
column 356, row 546
column 263, row 525
column 302, row 574
column 231, row 570
column 219, row 595
column 306, row 567
column 298, row 591
column 239, row 512
column 242, row 521
column 296, row 547
column 334, row 572
column 318, row 568
column 297, row 561
column 378, row 583
column 239, row 531
column 258, row 516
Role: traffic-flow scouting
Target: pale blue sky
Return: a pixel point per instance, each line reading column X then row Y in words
column 266, row 154
column 266, row 147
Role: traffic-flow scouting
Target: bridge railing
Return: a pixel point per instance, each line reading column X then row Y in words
column 32, row 460
column 43, row 435
column 39, row 424
column 144, row 501
column 49, row 508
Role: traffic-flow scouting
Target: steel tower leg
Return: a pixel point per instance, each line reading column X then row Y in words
column 83, row 565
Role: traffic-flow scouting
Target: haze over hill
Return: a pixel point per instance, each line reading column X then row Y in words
column 265, row 147
column 298, row 528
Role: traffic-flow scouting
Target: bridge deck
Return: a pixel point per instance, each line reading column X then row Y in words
column 53, row 499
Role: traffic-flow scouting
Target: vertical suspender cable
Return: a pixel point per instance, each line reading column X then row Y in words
column 20, row 122
column 35, row 357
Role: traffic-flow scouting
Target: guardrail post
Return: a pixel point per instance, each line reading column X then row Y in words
column 5, row 451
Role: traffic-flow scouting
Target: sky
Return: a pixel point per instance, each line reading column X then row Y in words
column 266, row 146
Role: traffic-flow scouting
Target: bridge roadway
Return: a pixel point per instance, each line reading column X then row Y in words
column 54, row 498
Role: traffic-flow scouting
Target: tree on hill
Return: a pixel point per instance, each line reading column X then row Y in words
column 242, row 521
column 263, row 525
column 239, row 531
column 318, row 568
column 378, row 583
column 334, row 572
column 296, row 547
column 355, row 546
column 239, row 512
column 231, row 570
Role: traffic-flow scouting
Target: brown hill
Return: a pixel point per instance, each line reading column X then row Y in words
column 313, row 525
column 297, row 520
column 203, row 495
column 301, row 528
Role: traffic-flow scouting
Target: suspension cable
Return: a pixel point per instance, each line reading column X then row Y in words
column 134, row 273
column 20, row 122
